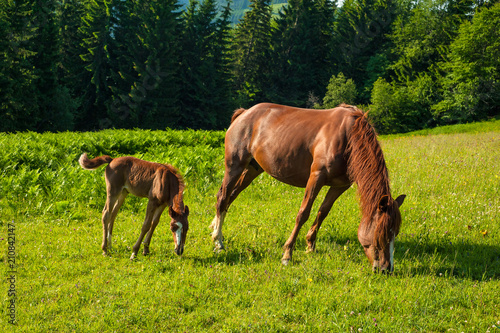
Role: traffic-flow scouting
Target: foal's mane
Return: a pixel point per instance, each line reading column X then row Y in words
column 366, row 166
column 176, row 185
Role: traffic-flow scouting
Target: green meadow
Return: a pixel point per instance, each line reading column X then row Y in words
column 55, row 279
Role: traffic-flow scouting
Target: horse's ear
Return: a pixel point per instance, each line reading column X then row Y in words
column 400, row 199
column 383, row 204
column 186, row 210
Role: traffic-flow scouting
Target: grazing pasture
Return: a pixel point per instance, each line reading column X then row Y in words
column 447, row 255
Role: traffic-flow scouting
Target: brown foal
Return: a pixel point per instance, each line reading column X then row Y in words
column 160, row 183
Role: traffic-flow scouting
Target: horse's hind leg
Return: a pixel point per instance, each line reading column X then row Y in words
column 314, row 184
column 109, row 212
column 332, row 195
column 252, row 171
column 114, row 211
column 233, row 175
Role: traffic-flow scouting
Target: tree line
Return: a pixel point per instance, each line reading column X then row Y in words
column 95, row 64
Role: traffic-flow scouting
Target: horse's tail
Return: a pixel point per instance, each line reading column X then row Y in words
column 236, row 114
column 91, row 164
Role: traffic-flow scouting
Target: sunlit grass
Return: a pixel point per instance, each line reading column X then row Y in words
column 447, row 254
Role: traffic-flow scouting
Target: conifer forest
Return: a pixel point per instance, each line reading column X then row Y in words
column 81, row 65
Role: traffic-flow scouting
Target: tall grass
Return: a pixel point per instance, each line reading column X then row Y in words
column 447, row 254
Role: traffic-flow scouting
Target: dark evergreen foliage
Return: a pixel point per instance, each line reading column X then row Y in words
column 93, row 64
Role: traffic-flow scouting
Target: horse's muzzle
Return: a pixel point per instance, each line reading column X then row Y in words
column 377, row 268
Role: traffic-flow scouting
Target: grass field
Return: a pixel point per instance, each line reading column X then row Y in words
column 55, row 279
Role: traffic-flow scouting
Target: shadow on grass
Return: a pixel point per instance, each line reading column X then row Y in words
column 232, row 256
column 474, row 261
column 419, row 256
column 442, row 257
column 413, row 256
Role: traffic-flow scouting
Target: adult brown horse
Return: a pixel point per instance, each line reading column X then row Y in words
column 160, row 183
column 313, row 148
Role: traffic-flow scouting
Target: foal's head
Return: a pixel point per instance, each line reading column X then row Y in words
column 179, row 226
column 377, row 236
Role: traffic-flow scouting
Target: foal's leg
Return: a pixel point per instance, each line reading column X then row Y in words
column 314, row 184
column 332, row 195
column 156, row 220
column 150, row 210
column 114, row 211
column 114, row 200
column 106, row 217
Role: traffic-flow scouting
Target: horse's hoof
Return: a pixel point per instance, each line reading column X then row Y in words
column 285, row 262
column 133, row 257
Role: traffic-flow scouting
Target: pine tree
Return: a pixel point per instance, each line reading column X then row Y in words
column 204, row 65
column 96, row 94
column 301, row 49
column 223, row 98
column 55, row 104
column 18, row 108
column 361, row 38
column 71, row 72
column 251, row 46
column 153, row 99
column 125, row 53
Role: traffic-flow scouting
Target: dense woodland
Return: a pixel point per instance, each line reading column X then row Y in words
column 94, row 64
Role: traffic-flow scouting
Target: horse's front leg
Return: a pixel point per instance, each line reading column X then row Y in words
column 156, row 220
column 314, row 184
column 332, row 195
column 146, row 226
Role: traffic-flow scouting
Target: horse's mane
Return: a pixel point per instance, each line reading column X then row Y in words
column 176, row 185
column 366, row 166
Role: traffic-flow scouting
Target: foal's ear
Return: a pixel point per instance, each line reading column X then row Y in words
column 400, row 199
column 383, row 204
column 172, row 212
column 186, row 210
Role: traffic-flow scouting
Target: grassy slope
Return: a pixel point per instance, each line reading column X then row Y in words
column 447, row 255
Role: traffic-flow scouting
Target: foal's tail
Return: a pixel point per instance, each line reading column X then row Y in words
column 91, row 164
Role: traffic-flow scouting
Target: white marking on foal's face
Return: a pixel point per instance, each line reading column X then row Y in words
column 391, row 249
column 178, row 233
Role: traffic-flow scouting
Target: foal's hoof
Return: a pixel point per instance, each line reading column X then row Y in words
column 219, row 246
column 214, row 222
column 218, row 249
column 285, row 262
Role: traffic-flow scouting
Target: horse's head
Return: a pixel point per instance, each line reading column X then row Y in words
column 179, row 226
column 377, row 236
